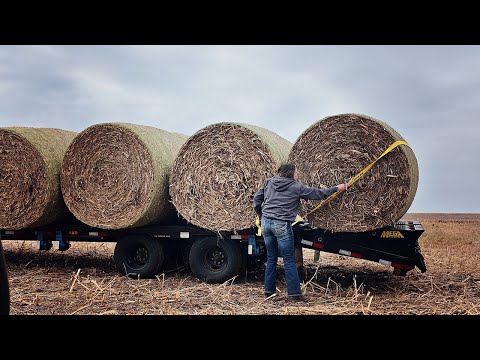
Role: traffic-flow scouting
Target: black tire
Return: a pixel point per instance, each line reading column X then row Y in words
column 215, row 260
column 139, row 256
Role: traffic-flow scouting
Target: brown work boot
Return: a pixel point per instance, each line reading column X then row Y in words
column 297, row 298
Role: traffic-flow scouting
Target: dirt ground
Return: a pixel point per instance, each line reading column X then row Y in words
column 83, row 280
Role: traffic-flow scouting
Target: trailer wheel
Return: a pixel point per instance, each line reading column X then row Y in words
column 215, row 260
column 138, row 256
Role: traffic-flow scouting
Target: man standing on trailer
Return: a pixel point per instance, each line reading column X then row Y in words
column 276, row 204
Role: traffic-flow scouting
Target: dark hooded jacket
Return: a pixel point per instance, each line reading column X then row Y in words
column 279, row 197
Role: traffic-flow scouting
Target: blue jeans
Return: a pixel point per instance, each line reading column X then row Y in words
column 278, row 236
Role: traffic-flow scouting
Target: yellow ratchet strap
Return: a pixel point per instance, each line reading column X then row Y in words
column 354, row 179
column 259, row 228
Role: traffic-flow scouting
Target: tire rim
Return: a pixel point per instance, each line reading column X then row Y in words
column 215, row 260
column 138, row 257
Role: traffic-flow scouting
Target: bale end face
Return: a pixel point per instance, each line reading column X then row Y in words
column 23, row 182
column 29, row 180
column 335, row 149
column 115, row 175
column 107, row 177
column 219, row 169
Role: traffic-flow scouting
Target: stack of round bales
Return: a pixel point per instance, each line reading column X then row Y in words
column 115, row 175
column 333, row 150
column 219, row 169
column 30, row 161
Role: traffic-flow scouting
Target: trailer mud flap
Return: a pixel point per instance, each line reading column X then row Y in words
column 420, row 259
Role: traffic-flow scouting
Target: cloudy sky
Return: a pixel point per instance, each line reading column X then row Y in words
column 429, row 94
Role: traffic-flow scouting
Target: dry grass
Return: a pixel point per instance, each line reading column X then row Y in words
column 83, row 280
column 335, row 149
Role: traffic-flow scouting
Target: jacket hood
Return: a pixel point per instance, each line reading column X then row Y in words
column 281, row 183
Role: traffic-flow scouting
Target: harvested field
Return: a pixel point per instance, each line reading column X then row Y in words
column 83, row 280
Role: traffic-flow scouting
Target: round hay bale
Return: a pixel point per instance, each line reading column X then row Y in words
column 30, row 161
column 336, row 148
column 115, row 175
column 219, row 169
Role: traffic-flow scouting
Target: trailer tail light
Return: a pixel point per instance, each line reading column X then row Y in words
column 401, row 266
column 401, row 270
column 312, row 244
column 72, row 232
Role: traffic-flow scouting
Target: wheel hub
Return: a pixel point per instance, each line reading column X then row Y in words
column 138, row 257
column 217, row 258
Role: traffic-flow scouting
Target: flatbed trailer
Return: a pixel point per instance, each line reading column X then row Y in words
column 219, row 256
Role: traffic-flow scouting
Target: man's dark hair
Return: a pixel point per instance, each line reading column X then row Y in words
column 286, row 170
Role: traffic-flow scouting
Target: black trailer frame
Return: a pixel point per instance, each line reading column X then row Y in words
column 220, row 256
column 395, row 245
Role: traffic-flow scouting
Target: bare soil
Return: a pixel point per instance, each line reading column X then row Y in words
column 83, row 280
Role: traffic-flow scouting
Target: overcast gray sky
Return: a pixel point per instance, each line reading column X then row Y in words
column 429, row 94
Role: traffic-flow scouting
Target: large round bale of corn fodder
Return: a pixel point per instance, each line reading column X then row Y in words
column 30, row 161
column 219, row 169
column 336, row 148
column 115, row 175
